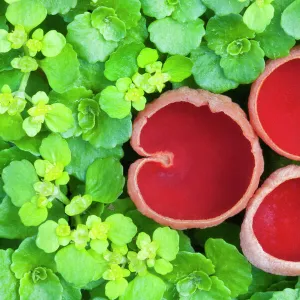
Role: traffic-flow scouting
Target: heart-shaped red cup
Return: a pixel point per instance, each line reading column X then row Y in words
column 274, row 105
column 202, row 159
column 270, row 231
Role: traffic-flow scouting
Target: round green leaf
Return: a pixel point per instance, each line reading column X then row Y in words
column 114, row 30
column 178, row 67
column 108, row 132
column 218, row 291
column 222, row 30
column 186, row 287
column 5, row 45
column 19, row 178
column 53, row 43
column 47, row 239
column 287, row 294
column 69, row 292
column 121, row 230
column 76, row 266
column 157, row 9
column 113, row 103
column 226, row 7
column 258, row 17
column 244, row 68
column 231, row 266
column 137, row 34
column 274, row 41
column 168, row 241
column 88, row 42
column 174, row 37
column 28, row 257
column 187, row 263
column 11, row 126
column 188, row 10
column 105, row 180
column 80, row 163
column 148, row 287
column 47, row 289
column 116, row 288
column 208, row 73
column 28, row 13
column 55, row 149
column 62, row 70
column 59, row 118
column 123, row 62
column 9, row 284
column 290, row 20
column 11, row 226
column 162, row 266
column 59, row 6
column 31, row 215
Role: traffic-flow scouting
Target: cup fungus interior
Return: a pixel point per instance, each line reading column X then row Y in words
column 276, row 222
column 212, row 163
column 278, row 106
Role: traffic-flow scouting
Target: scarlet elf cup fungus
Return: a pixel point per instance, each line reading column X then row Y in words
column 203, row 160
column 274, row 105
column 270, row 231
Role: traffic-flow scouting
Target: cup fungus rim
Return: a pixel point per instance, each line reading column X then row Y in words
column 216, row 103
column 271, row 66
column 250, row 244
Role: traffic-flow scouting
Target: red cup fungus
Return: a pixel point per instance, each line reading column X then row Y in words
column 274, row 105
column 270, row 231
column 202, row 159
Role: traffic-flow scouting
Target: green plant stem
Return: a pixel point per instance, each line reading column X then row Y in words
column 24, row 82
column 77, row 219
column 63, row 198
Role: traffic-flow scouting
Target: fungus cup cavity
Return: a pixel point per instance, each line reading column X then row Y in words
column 270, row 231
column 202, row 159
column 274, row 105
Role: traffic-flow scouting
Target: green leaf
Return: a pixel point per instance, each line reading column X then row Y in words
column 290, row 20
column 28, row 257
column 32, row 215
column 69, row 292
column 218, row 291
column 187, row 263
column 11, row 127
column 28, row 13
column 208, row 73
column 231, row 266
column 127, row 10
column 92, row 76
column 113, row 102
column 174, row 37
column 178, row 67
column 123, row 62
column 168, row 241
column 55, row 149
column 9, row 284
column 13, row 79
column 59, row 118
column 113, row 289
column 80, row 163
column 162, row 266
column 59, row 6
column 258, row 17
column 121, row 230
column 47, row 239
column 77, row 267
column 105, row 180
column 48, row 289
column 185, row 243
column 157, row 9
column 11, row 154
column 287, row 294
column 222, row 30
column 30, row 145
column 274, row 41
column 11, row 226
column 62, row 70
column 226, row 7
column 88, row 42
column 6, row 58
column 148, row 287
column 19, row 178
column 188, row 10
column 53, row 43
column 246, row 67
column 108, row 133
column 262, row 296
column 137, row 34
